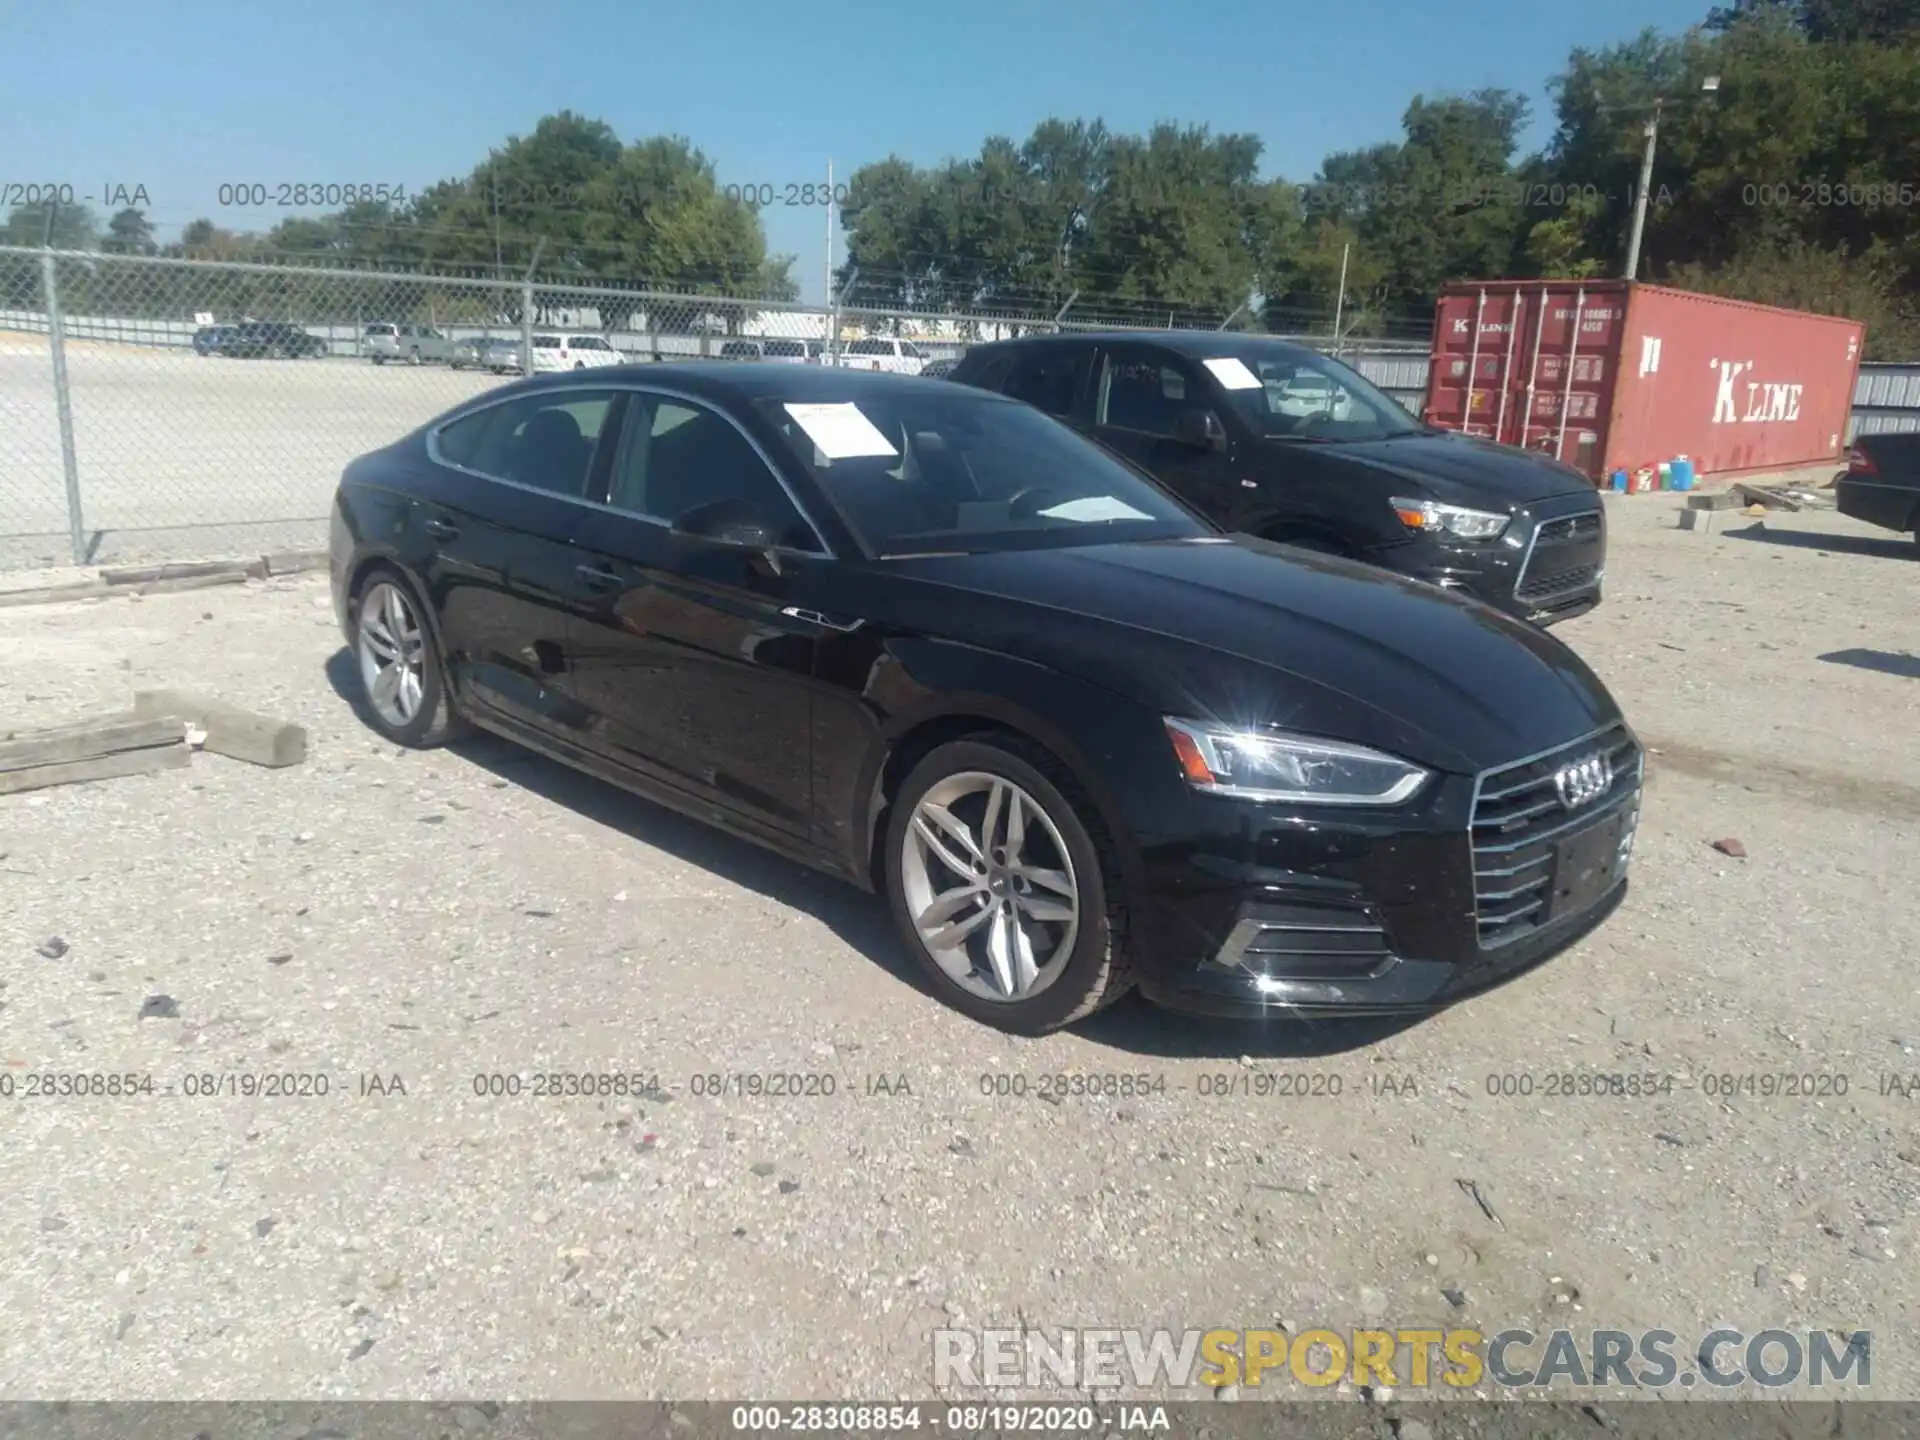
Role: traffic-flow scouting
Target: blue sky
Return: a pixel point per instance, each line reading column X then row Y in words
column 181, row 99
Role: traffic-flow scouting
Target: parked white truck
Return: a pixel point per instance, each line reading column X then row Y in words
column 902, row 357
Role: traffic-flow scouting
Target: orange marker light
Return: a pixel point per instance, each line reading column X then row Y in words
column 1191, row 760
column 1412, row 519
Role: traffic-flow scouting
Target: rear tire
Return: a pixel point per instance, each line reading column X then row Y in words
column 402, row 677
column 1023, row 954
column 413, row 357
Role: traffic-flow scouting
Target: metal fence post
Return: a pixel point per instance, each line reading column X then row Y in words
column 63, row 404
column 526, row 309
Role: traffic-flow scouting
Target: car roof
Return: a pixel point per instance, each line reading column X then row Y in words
column 1195, row 344
column 747, row 380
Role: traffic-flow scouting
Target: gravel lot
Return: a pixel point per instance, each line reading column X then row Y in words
column 183, row 455
column 475, row 911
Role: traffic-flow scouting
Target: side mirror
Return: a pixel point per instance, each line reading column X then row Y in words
column 1201, row 429
column 729, row 524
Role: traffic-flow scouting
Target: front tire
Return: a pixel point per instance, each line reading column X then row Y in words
column 1005, row 886
column 401, row 676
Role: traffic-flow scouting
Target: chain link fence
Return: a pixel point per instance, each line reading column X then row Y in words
column 159, row 409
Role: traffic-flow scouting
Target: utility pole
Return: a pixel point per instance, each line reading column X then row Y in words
column 1709, row 87
column 1340, row 300
column 827, row 294
column 1640, row 193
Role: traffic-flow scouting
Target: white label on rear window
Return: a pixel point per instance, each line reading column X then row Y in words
column 841, row 432
column 1096, row 507
column 1233, row 373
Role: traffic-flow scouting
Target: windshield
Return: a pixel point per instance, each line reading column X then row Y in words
column 1309, row 397
column 959, row 471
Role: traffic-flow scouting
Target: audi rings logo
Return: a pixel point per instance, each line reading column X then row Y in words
column 1583, row 782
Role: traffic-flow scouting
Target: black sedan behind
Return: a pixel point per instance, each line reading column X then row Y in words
column 1280, row 441
column 258, row 340
column 935, row 643
column 1881, row 484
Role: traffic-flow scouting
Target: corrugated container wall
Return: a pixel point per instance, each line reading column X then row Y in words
column 1610, row 375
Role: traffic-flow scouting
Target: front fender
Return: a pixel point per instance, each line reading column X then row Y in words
column 1096, row 733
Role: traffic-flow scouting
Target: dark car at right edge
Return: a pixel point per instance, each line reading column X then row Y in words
column 1276, row 440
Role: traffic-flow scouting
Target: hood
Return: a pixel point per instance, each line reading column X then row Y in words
column 1246, row 630
column 1462, row 469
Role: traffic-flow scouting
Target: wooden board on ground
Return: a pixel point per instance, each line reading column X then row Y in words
column 102, row 749
column 1714, row 500
column 1755, row 495
column 230, row 731
column 147, row 574
column 292, row 562
column 104, row 767
column 88, row 740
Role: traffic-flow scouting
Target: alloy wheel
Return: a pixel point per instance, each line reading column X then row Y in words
column 990, row 886
column 392, row 650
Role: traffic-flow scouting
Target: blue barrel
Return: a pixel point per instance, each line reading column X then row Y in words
column 1618, row 480
column 1682, row 475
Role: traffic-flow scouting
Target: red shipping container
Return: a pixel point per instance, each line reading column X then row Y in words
column 1615, row 375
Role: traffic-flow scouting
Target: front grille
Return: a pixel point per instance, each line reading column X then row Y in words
column 1518, row 821
column 1565, row 556
column 1542, row 584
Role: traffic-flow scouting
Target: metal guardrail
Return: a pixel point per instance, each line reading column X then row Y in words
column 120, row 440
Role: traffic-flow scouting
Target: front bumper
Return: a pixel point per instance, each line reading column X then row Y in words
column 1549, row 565
column 1270, row 912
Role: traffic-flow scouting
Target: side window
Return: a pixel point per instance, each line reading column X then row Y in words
column 545, row 441
column 677, row 456
column 1044, row 379
column 1141, row 390
column 992, row 373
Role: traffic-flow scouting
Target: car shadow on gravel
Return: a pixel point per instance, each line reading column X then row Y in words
column 1838, row 542
column 858, row 918
column 1884, row 662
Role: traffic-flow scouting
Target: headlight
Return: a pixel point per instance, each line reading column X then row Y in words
column 1454, row 519
column 1262, row 765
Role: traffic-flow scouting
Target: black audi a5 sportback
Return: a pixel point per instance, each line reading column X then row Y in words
column 1280, row 441
column 940, row 645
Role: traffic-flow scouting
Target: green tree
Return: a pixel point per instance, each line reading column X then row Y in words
column 129, row 233
column 1438, row 205
column 64, row 227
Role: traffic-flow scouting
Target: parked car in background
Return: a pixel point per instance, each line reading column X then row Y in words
column 790, row 352
column 502, row 355
column 900, row 357
column 937, row 369
column 778, row 351
column 410, row 344
column 940, row 646
column 1881, row 484
column 261, row 340
column 209, row 338
column 1277, row 440
column 469, row 352
column 571, row 351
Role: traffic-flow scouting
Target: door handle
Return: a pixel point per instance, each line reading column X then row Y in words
column 441, row 530
column 814, row 617
column 595, row 578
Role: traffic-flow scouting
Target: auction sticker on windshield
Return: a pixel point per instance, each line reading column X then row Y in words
column 1232, row 372
column 841, row 431
column 1095, row 507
